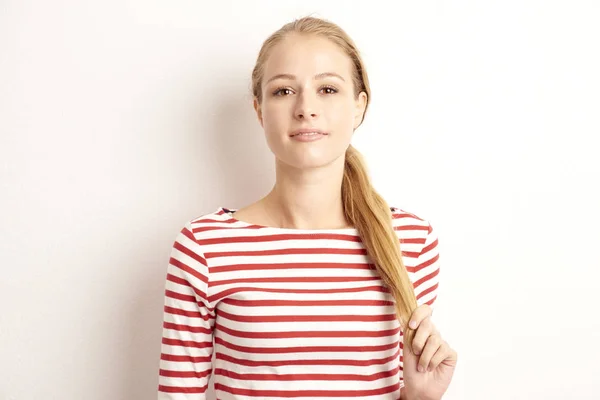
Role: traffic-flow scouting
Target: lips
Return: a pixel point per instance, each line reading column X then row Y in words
column 307, row 131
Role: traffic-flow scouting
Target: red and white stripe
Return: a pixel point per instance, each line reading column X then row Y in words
column 287, row 313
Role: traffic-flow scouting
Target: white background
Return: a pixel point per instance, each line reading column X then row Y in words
column 122, row 120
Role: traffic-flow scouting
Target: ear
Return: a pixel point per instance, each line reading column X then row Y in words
column 360, row 107
column 258, row 110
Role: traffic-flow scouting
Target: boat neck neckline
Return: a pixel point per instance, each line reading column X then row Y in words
column 230, row 211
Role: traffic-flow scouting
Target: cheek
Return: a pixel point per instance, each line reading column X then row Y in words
column 275, row 122
column 341, row 115
column 275, row 113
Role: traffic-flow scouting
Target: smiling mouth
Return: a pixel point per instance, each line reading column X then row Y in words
column 309, row 134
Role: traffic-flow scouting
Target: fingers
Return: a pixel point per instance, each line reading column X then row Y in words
column 425, row 329
column 420, row 313
column 432, row 345
column 442, row 353
column 427, row 341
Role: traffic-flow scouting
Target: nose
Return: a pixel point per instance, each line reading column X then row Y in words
column 306, row 107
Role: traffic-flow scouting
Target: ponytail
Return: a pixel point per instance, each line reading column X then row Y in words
column 372, row 217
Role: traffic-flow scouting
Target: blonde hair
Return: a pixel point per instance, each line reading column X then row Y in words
column 363, row 206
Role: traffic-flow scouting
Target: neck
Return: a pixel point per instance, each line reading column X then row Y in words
column 307, row 198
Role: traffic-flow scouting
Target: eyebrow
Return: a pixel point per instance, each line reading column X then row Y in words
column 316, row 77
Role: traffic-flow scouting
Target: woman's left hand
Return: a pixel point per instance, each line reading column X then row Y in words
column 431, row 354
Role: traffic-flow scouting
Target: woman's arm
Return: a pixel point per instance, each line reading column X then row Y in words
column 188, row 323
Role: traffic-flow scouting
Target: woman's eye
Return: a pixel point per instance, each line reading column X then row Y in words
column 331, row 90
column 278, row 91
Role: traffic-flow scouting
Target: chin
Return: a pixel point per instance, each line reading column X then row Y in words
column 311, row 160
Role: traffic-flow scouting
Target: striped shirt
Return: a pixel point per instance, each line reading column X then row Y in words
column 286, row 313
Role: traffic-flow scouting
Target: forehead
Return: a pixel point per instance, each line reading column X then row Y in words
column 307, row 55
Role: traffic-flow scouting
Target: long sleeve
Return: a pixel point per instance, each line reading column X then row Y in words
column 188, row 323
column 425, row 279
column 427, row 270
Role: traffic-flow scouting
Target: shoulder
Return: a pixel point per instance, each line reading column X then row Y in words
column 216, row 217
column 412, row 229
column 404, row 219
column 209, row 223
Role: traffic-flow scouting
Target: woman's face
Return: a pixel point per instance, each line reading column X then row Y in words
column 307, row 83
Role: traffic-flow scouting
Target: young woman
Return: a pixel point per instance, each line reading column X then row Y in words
column 306, row 293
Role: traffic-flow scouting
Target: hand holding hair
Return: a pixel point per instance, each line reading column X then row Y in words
column 429, row 361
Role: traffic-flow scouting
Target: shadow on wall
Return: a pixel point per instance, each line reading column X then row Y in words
column 241, row 160
column 237, row 168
